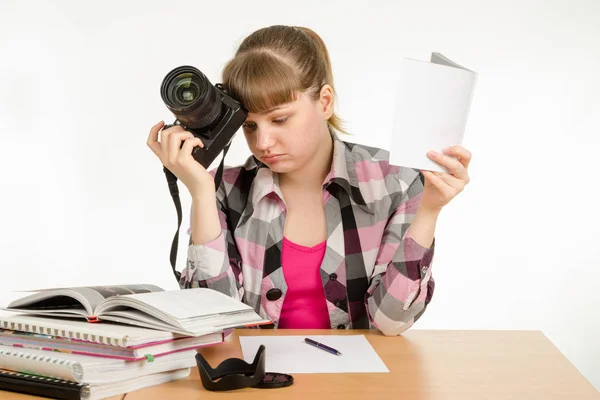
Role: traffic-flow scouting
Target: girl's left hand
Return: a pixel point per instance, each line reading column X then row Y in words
column 441, row 187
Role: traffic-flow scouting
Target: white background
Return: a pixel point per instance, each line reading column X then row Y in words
column 84, row 201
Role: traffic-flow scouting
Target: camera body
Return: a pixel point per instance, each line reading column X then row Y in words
column 205, row 110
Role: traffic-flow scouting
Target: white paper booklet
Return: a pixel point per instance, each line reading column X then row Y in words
column 432, row 105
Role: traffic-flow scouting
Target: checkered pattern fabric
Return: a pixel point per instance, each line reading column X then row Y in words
column 374, row 274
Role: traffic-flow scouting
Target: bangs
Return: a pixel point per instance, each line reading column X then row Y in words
column 261, row 81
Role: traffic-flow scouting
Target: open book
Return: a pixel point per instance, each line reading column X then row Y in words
column 191, row 312
column 433, row 102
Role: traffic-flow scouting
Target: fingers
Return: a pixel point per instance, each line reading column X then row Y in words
column 463, row 155
column 170, row 148
column 153, row 138
column 452, row 164
column 188, row 147
column 451, row 180
column 161, row 147
column 439, row 183
column 175, row 143
column 165, row 141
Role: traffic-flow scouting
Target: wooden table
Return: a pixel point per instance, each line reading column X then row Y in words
column 423, row 365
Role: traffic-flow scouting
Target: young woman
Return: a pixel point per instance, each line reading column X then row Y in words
column 312, row 231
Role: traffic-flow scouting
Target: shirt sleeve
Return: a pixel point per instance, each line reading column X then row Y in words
column 216, row 264
column 401, row 284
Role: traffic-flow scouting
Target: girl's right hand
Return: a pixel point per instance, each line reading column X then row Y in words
column 178, row 159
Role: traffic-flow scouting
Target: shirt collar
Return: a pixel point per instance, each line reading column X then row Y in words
column 342, row 172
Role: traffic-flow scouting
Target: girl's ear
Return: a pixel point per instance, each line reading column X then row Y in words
column 326, row 101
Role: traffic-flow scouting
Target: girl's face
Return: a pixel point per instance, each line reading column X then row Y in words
column 287, row 137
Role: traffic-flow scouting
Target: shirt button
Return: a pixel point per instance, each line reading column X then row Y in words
column 341, row 326
column 338, row 303
column 333, row 277
column 274, row 294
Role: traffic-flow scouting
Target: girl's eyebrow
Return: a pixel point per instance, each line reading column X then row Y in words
column 271, row 110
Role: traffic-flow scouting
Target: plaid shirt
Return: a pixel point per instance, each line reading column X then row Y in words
column 374, row 274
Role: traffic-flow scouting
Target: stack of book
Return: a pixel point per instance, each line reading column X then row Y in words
column 100, row 341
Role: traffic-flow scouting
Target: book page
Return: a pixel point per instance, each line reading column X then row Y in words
column 85, row 297
column 130, row 316
column 51, row 312
column 178, row 304
column 60, row 301
column 120, row 290
column 432, row 105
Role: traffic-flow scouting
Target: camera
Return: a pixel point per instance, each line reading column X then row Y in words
column 210, row 114
column 204, row 109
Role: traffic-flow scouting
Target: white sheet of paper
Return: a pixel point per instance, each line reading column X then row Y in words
column 291, row 355
column 432, row 105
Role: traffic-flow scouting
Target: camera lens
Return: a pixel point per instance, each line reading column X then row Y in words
column 191, row 97
column 185, row 89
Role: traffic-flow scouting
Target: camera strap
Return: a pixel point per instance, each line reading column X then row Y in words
column 172, row 182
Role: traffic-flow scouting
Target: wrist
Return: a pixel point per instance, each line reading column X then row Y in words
column 422, row 227
column 204, row 190
column 428, row 212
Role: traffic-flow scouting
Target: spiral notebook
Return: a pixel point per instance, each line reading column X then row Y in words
column 88, row 369
column 67, row 390
column 102, row 339
column 40, row 385
column 106, row 332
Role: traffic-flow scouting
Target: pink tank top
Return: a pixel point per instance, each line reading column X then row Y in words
column 304, row 306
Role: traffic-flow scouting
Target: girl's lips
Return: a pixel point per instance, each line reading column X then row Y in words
column 272, row 158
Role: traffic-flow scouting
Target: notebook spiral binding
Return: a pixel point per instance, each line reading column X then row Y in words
column 42, row 378
column 35, row 357
column 87, row 337
column 75, row 367
column 45, row 386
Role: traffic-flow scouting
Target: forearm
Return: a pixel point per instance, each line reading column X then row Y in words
column 422, row 228
column 213, row 259
column 205, row 218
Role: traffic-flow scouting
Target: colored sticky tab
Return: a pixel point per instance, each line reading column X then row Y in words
column 149, row 357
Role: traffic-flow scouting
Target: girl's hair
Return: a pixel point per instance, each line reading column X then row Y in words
column 274, row 64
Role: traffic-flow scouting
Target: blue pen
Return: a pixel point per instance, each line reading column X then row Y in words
column 322, row 346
